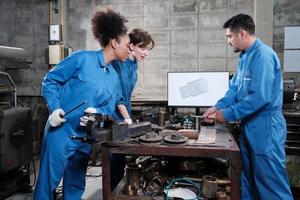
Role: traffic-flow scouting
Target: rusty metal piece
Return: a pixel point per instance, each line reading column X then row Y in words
column 132, row 174
column 121, row 130
column 151, row 137
column 162, row 118
column 190, row 133
column 131, row 190
column 209, row 186
column 175, row 138
column 220, row 195
column 138, row 129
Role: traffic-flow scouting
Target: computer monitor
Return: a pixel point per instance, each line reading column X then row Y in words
column 196, row 89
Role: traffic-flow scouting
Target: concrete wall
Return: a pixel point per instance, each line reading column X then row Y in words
column 25, row 24
column 286, row 13
column 188, row 34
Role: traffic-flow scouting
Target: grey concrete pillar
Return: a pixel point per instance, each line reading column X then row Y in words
column 263, row 16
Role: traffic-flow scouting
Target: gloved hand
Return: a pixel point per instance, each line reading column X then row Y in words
column 128, row 120
column 90, row 110
column 57, row 118
column 84, row 120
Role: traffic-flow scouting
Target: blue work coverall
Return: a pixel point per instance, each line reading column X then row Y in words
column 255, row 98
column 127, row 72
column 81, row 77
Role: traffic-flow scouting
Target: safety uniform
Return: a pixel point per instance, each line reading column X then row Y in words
column 127, row 72
column 255, row 98
column 82, row 77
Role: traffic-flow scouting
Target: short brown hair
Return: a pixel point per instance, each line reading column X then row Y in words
column 141, row 38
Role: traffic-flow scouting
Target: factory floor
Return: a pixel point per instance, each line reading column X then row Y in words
column 93, row 189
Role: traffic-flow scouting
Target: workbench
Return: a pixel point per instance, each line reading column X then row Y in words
column 230, row 152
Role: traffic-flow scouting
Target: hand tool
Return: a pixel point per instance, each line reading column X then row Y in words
column 75, row 107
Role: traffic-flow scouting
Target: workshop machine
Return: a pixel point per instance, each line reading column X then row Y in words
column 291, row 110
column 15, row 124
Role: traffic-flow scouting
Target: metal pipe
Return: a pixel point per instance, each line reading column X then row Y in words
column 50, row 12
column 62, row 20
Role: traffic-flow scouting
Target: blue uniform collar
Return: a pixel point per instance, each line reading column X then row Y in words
column 131, row 61
column 252, row 48
column 102, row 61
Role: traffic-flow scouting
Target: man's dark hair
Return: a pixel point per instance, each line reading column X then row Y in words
column 141, row 38
column 108, row 25
column 240, row 21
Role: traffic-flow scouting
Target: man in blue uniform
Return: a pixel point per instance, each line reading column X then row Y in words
column 85, row 78
column 255, row 98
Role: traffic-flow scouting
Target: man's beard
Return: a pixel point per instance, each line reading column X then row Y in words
column 235, row 50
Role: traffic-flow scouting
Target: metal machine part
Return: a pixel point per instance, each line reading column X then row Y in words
column 175, row 138
column 132, row 178
column 8, row 90
column 209, row 186
column 95, row 121
column 16, row 143
column 291, row 111
column 162, row 118
column 288, row 90
column 16, row 138
column 121, row 130
column 13, row 58
column 292, row 144
column 151, row 137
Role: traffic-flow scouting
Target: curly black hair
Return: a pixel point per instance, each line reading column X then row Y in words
column 108, row 25
column 141, row 38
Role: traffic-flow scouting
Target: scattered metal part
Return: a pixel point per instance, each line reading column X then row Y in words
column 209, row 186
column 121, row 130
column 131, row 190
column 151, row 137
column 133, row 175
column 138, row 129
column 175, row 138
column 220, row 195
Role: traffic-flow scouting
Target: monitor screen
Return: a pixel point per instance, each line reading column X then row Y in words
column 196, row 88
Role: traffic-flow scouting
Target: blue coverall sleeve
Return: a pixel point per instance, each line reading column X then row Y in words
column 120, row 95
column 229, row 97
column 120, row 99
column 56, row 77
column 259, row 90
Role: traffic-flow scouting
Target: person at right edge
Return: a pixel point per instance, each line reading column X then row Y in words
column 255, row 97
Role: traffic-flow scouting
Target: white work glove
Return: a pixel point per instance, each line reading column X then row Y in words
column 128, row 120
column 90, row 110
column 57, row 118
column 85, row 119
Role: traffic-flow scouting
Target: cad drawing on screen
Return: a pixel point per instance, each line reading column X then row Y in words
column 196, row 88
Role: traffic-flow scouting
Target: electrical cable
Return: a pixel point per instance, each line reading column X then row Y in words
column 196, row 186
column 34, row 173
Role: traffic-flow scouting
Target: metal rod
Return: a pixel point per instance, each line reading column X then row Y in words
column 75, row 107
